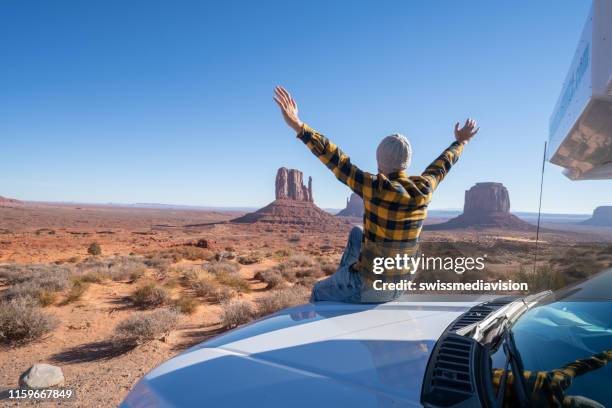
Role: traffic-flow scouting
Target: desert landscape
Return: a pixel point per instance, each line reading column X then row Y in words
column 106, row 293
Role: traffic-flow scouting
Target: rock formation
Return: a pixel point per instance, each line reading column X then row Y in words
column 602, row 217
column 487, row 205
column 290, row 185
column 9, row 201
column 354, row 207
column 487, row 198
column 294, row 204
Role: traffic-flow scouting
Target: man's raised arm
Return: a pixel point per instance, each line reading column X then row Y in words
column 329, row 154
column 439, row 168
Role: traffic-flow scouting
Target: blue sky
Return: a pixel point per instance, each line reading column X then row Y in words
column 171, row 102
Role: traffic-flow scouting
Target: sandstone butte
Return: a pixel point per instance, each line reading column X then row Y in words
column 294, row 204
column 602, row 217
column 354, row 207
column 487, row 205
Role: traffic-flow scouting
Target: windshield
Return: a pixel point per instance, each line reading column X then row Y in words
column 552, row 336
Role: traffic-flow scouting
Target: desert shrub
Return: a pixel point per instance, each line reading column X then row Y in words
column 94, row 249
column 150, row 295
column 252, row 258
column 117, row 268
column 542, row 279
column 123, row 268
column 46, row 275
column 271, row 277
column 142, row 327
column 26, row 290
column 221, row 267
column 301, row 261
column 35, row 282
column 22, row 321
column 46, row 298
column 76, row 292
column 294, row 238
column 204, row 284
column 281, row 299
column 236, row 312
column 186, row 305
column 224, row 255
column 222, row 294
column 73, row 259
column 235, row 281
column 283, row 253
column 328, row 268
column 189, row 273
column 91, row 277
column 176, row 254
column 300, row 268
column 158, row 262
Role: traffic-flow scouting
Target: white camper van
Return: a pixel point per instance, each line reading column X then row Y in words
column 580, row 138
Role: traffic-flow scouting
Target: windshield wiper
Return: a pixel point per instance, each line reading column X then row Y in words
column 491, row 328
column 515, row 364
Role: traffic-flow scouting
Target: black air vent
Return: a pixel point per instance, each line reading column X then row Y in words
column 452, row 365
column 448, row 380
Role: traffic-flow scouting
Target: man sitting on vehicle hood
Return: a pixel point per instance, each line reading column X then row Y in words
column 395, row 206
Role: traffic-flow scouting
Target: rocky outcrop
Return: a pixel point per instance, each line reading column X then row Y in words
column 487, row 205
column 354, row 207
column 602, row 217
column 294, row 204
column 9, row 201
column 290, row 186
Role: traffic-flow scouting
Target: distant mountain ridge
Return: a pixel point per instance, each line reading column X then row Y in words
column 9, row 201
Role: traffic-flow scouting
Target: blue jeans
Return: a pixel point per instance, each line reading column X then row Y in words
column 344, row 285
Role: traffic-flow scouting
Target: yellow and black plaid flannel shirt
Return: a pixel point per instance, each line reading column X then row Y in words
column 395, row 204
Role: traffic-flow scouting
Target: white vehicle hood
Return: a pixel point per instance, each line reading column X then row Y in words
column 328, row 354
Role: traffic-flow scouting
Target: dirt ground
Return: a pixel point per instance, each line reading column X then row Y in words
column 102, row 373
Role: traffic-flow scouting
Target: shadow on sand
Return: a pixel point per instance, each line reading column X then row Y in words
column 96, row 351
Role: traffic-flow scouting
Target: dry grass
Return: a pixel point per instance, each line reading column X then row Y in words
column 46, row 298
column 252, row 258
column 203, row 284
column 142, row 327
column 117, row 268
column 150, row 295
column 39, row 283
column 271, row 277
column 49, row 276
column 76, row 292
column 176, row 254
column 234, row 281
column 94, row 249
column 542, row 279
column 235, row 312
column 220, row 267
column 301, row 269
column 22, row 321
column 282, row 299
column 207, row 286
column 186, row 305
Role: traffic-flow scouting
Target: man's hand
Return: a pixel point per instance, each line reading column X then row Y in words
column 467, row 132
column 288, row 108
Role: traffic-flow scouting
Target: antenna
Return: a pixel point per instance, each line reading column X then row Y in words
column 535, row 258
